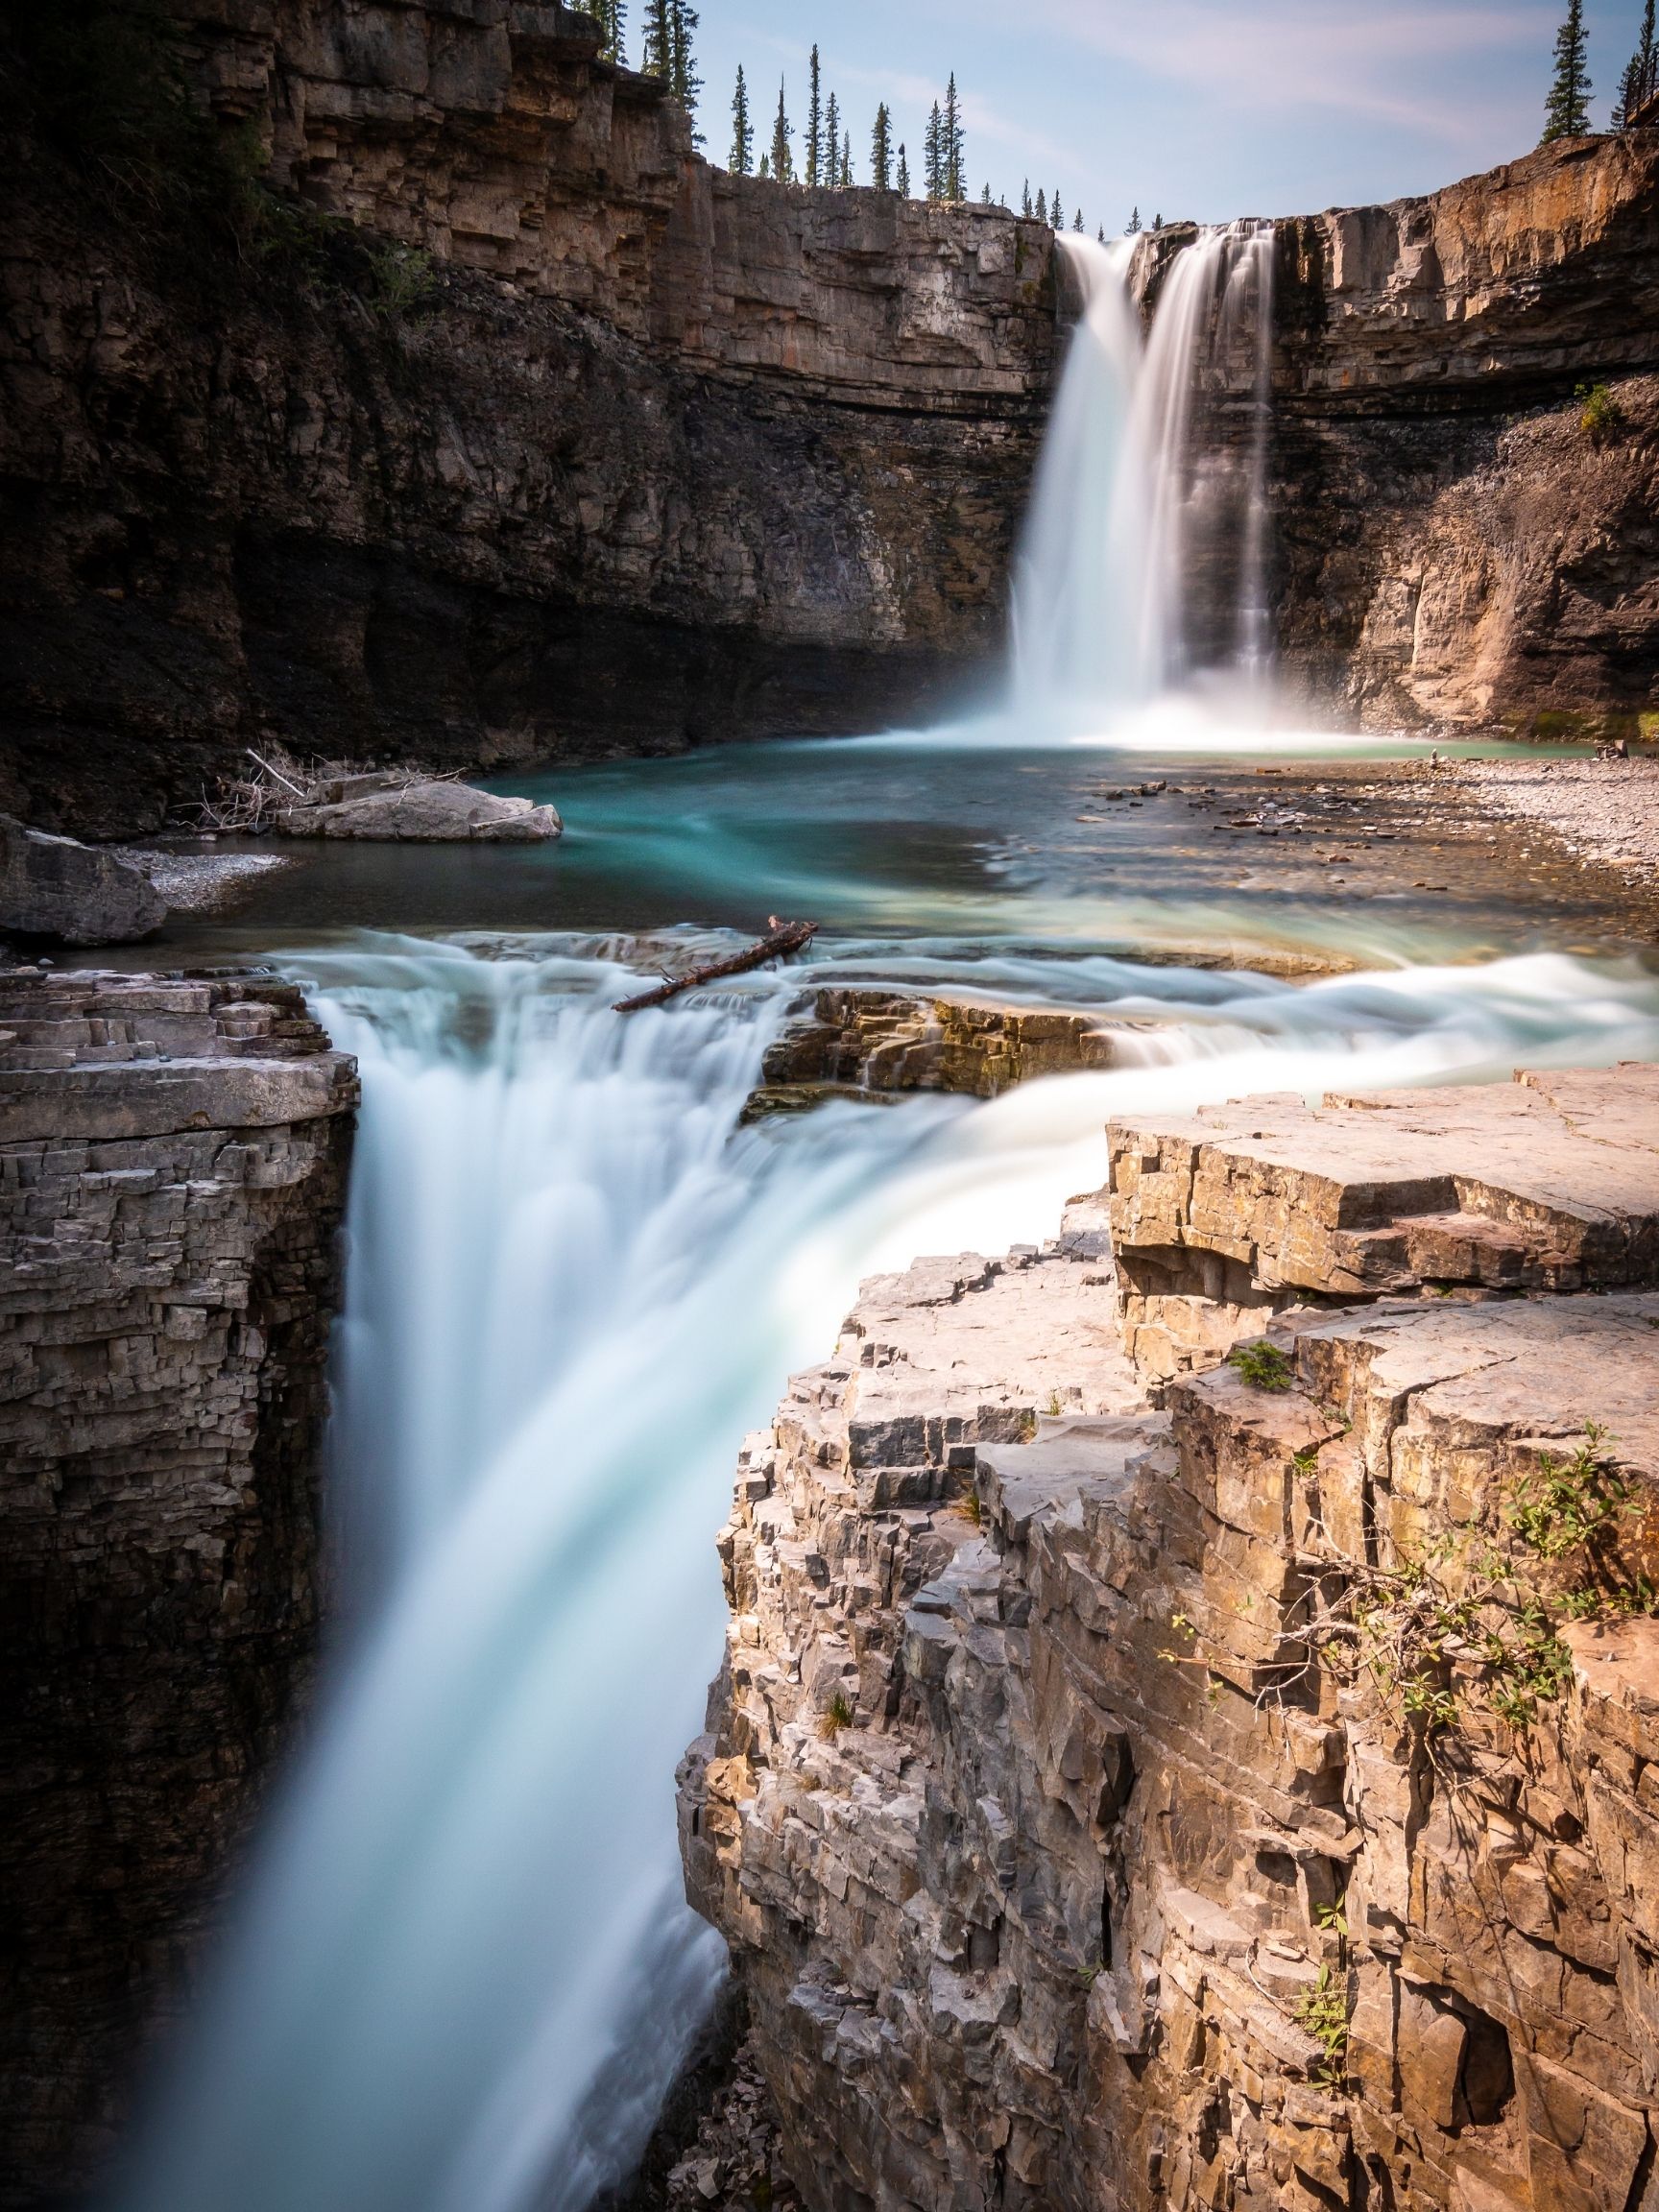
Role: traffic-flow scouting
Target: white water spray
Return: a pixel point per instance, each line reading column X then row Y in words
column 1128, row 500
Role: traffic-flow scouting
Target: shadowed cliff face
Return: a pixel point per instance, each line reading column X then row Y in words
column 654, row 456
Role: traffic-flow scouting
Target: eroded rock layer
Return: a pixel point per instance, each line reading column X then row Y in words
column 1233, row 1803
column 171, row 1169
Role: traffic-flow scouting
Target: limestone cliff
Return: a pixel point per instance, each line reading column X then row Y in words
column 1241, row 1800
column 171, row 1164
column 1456, row 542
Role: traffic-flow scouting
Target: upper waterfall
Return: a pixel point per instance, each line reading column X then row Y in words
column 1144, row 561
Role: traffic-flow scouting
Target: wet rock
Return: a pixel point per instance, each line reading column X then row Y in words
column 72, row 894
column 173, row 1157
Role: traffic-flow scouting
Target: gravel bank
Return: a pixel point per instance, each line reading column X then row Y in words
column 1605, row 811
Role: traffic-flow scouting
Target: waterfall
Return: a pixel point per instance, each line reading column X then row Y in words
column 462, row 1971
column 1152, row 481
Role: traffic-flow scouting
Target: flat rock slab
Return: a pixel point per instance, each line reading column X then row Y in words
column 1550, row 1182
column 428, row 814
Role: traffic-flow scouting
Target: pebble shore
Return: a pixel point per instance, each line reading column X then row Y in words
column 1605, row 811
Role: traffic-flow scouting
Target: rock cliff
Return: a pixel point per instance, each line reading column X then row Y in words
column 503, row 426
column 172, row 1162
column 1238, row 1800
column 1456, row 541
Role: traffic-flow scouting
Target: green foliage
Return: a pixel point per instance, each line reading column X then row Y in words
column 1600, row 418
column 902, row 183
column 814, row 123
column 881, row 150
column 610, row 15
column 743, row 159
column 1323, row 2015
column 1566, row 1506
column 782, row 133
column 1263, row 1365
column 1333, row 1918
column 1641, row 78
column 837, row 1715
column 1305, row 1463
column 1567, row 110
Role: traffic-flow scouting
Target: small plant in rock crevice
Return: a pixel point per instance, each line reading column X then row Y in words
column 1323, row 2015
column 1263, row 1366
column 1600, row 417
column 837, row 1715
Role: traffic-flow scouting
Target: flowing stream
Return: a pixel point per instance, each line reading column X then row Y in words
column 460, row 1975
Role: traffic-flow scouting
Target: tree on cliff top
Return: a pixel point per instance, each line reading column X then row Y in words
column 832, row 141
column 742, row 129
column 1567, row 111
column 610, row 15
column 657, row 55
column 783, row 160
column 1641, row 78
column 932, row 160
column 683, row 77
column 953, row 144
column 881, row 151
column 814, row 125
column 903, row 177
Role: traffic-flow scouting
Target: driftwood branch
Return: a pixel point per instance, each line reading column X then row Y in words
column 782, row 939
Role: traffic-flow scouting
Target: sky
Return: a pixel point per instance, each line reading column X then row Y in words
column 1200, row 109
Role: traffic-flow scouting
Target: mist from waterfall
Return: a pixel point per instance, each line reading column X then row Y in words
column 1154, row 467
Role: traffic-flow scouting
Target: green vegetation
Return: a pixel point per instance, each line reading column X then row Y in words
column 1568, row 1505
column 783, row 160
column 611, row 17
column 742, row 157
column 881, row 151
column 1600, row 418
column 1263, row 1365
column 1567, row 110
column 1641, row 78
column 1323, row 2015
column 837, row 1715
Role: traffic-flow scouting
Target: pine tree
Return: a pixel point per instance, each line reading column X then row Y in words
column 1025, row 198
column 783, row 160
column 1157, row 221
column 1100, row 235
column 658, row 58
column 765, row 168
column 815, row 124
column 932, row 160
column 1077, row 219
column 742, row 129
column 1567, row 111
column 881, row 151
column 1641, row 78
column 610, row 16
column 832, row 141
column 846, row 159
column 951, row 144
column 985, row 200
column 1057, row 213
column 1134, row 223
column 903, row 183
column 683, row 77
column 1042, row 205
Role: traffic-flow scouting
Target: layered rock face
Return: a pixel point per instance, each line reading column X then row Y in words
column 1454, row 543
column 645, row 456
column 172, row 1156
column 1231, row 1802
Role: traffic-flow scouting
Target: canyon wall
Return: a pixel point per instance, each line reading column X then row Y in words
column 504, row 426
column 172, row 1159
column 1233, row 1795
column 1456, row 542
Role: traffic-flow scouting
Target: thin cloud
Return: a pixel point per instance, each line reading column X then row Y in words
column 1295, row 56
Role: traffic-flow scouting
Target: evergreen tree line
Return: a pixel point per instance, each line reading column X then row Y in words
column 826, row 152
column 665, row 49
column 1567, row 109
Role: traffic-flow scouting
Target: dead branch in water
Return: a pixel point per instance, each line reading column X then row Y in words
column 782, row 938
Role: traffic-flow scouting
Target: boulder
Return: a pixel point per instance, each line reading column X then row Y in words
column 74, row 894
column 426, row 813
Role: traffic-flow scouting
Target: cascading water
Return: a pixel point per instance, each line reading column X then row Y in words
column 464, row 1974
column 1130, row 504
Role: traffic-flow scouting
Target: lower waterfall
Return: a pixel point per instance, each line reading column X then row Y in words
column 462, row 1975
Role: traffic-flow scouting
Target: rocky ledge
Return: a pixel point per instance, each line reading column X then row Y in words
column 173, row 1155
column 1241, row 1799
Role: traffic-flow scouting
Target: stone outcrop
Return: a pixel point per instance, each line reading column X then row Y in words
column 1232, row 1803
column 1221, row 1218
column 172, row 1158
column 1456, row 543
column 866, row 1039
column 55, row 888
column 419, row 811
column 519, row 432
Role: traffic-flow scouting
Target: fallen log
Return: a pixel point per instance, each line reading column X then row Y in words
column 781, row 938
